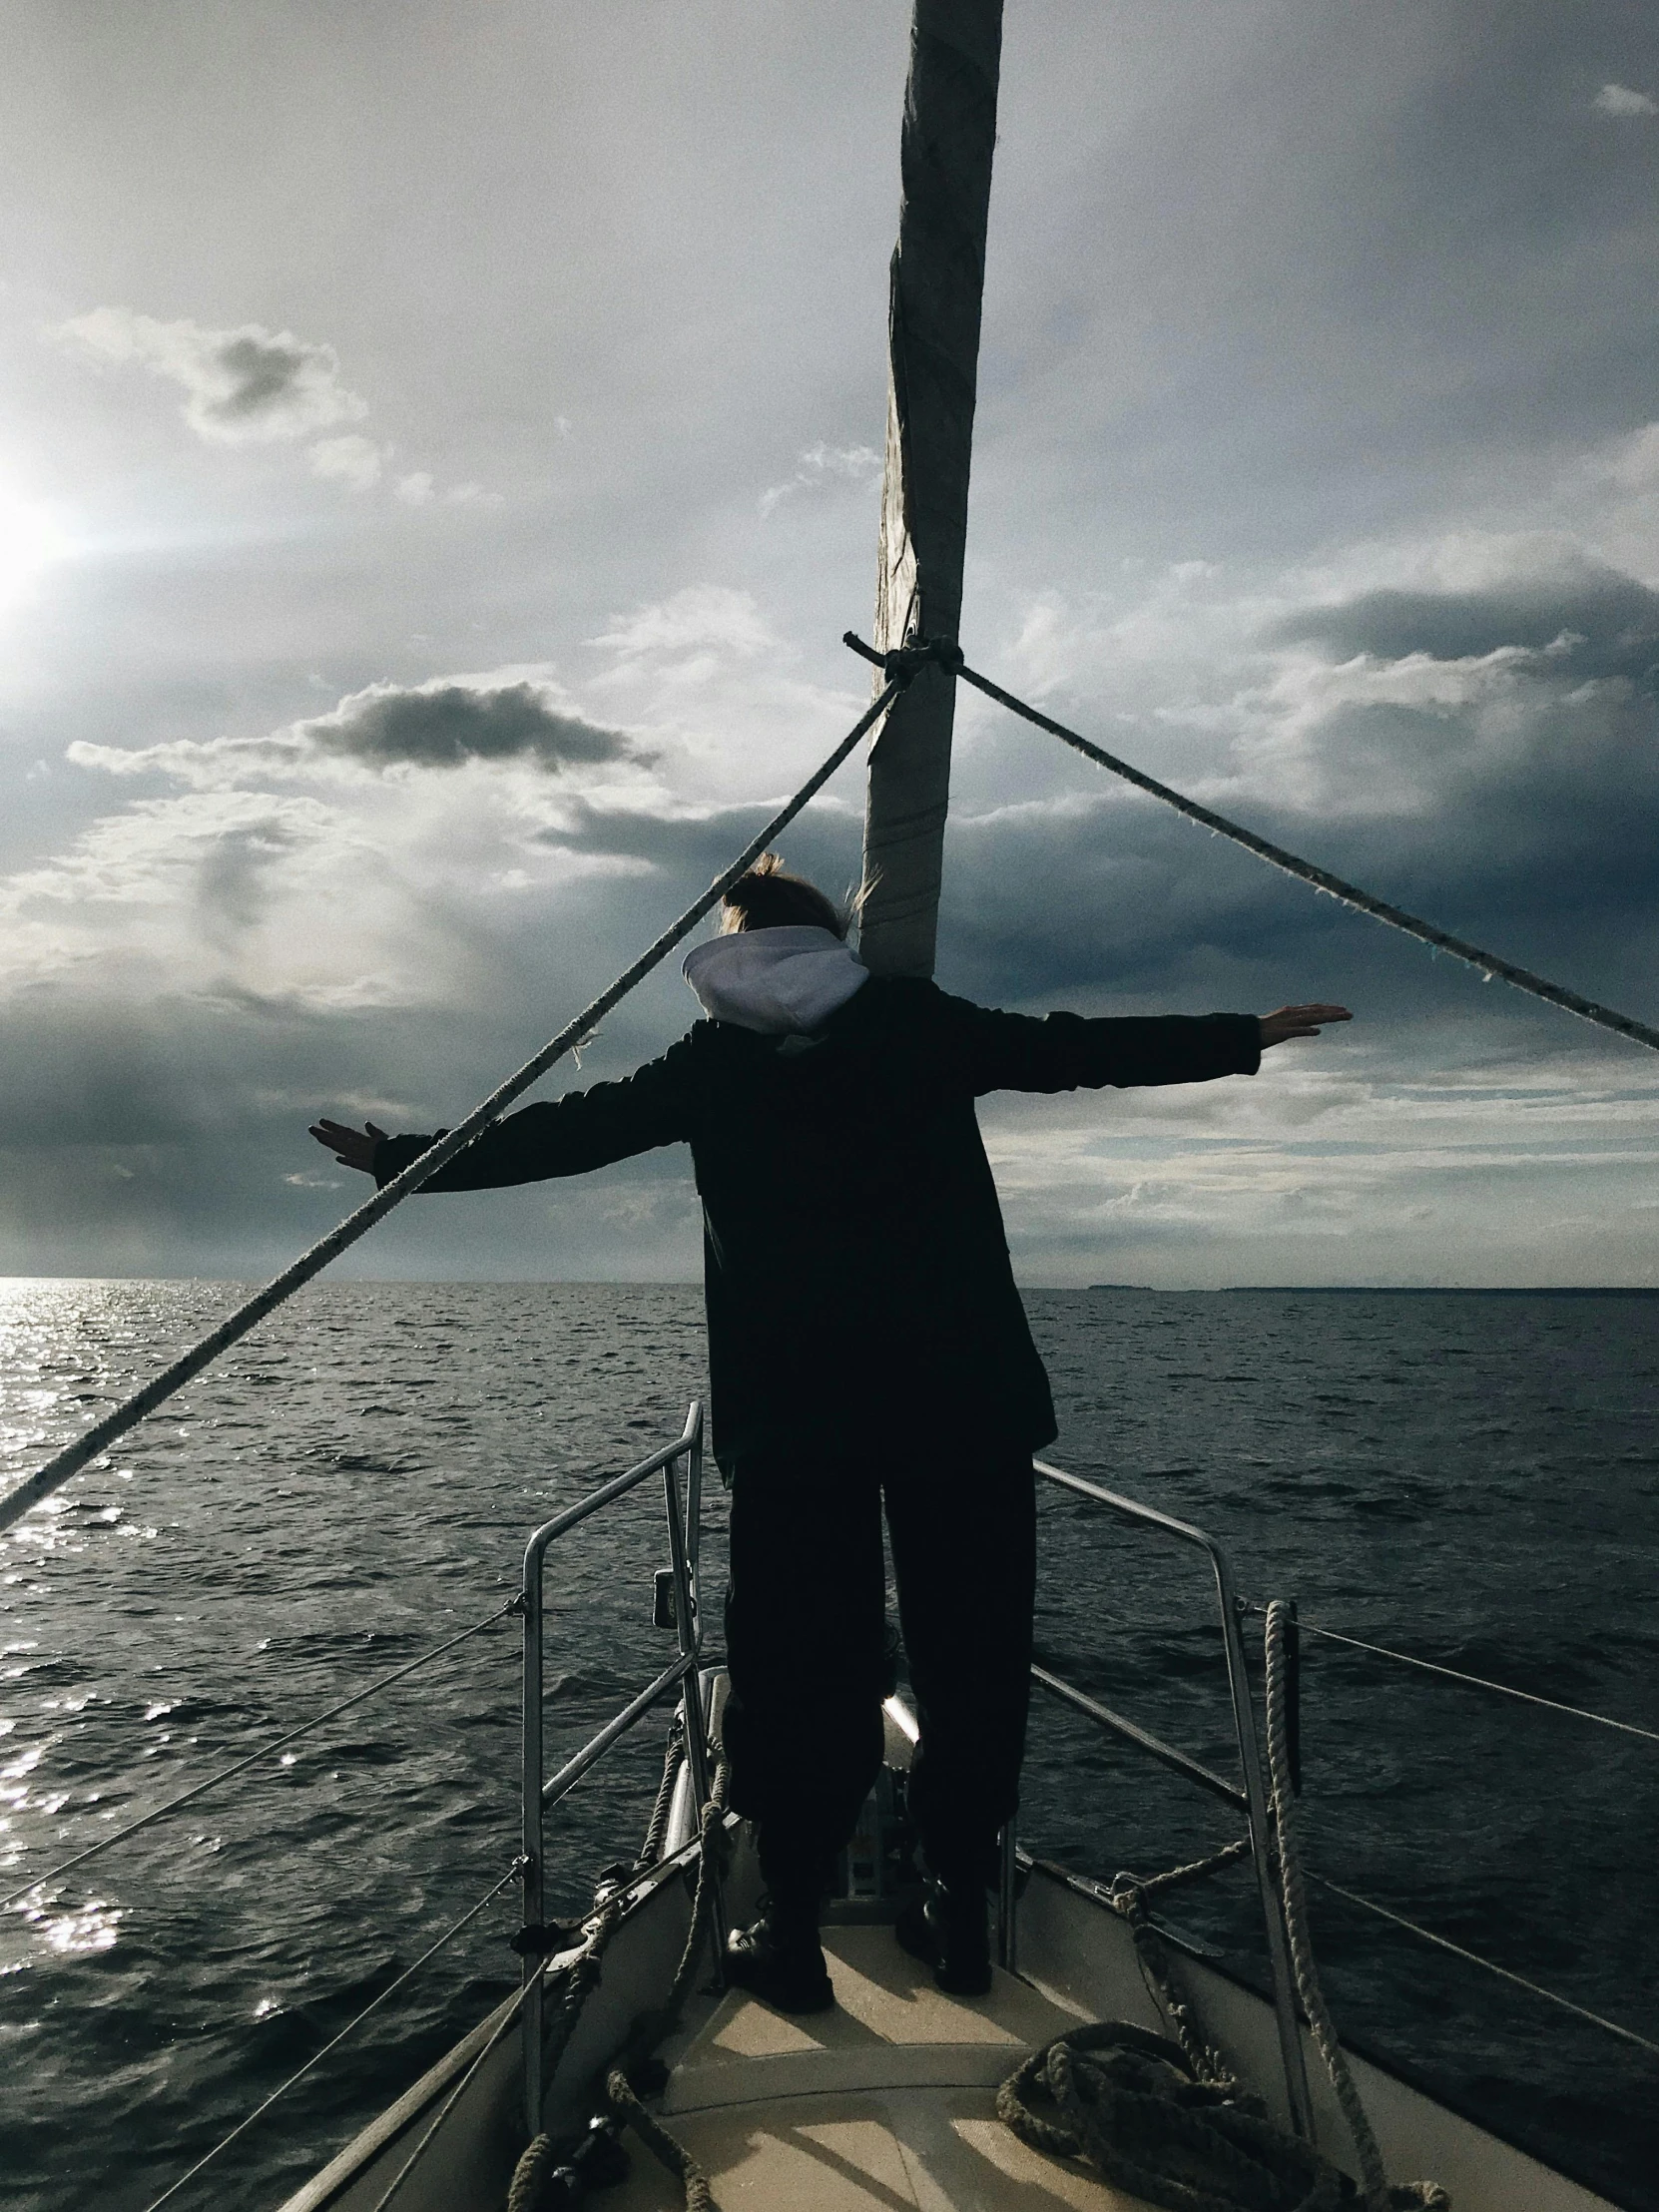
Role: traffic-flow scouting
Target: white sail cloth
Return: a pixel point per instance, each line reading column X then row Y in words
column 780, row 982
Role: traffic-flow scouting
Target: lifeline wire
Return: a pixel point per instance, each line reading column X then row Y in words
column 450, row 1933
column 1480, row 1681
column 1489, row 962
column 132, row 1411
column 225, row 1774
column 1442, row 1943
column 507, row 2021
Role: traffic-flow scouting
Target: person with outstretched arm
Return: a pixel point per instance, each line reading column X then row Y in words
column 867, row 1350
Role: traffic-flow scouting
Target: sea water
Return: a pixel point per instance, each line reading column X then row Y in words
column 1471, row 1478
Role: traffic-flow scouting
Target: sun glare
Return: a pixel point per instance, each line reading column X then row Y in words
column 30, row 540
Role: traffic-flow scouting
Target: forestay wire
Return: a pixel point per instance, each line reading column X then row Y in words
column 1306, row 872
column 132, row 1410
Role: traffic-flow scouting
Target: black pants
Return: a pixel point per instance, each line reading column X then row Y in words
column 804, row 1619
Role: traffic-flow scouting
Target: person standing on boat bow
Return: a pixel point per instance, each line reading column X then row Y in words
column 868, row 1349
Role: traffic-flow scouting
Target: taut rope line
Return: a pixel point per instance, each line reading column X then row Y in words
column 1555, row 994
column 132, row 1411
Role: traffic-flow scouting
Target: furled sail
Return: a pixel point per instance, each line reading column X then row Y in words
column 937, row 279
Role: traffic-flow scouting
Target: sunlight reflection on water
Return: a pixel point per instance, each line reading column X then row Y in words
column 357, row 1482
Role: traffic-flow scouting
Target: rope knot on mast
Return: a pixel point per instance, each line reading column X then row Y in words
column 904, row 663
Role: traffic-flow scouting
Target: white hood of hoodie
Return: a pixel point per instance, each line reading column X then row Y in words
column 781, row 982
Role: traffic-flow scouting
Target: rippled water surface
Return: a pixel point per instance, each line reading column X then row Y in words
column 1474, row 1478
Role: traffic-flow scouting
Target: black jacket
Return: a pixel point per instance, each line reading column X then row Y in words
column 856, row 1275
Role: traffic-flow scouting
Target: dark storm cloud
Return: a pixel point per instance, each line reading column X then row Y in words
column 1603, row 625
column 1510, row 799
column 1531, row 787
column 261, row 376
column 145, row 1137
column 231, row 881
column 446, row 725
column 170, row 1137
column 242, row 387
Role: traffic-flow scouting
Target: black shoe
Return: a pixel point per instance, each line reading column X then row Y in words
column 779, row 1960
column 950, row 1929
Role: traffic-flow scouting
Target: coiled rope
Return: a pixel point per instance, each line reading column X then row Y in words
column 59, row 1468
column 1138, row 2109
column 1490, row 964
column 1163, row 2117
column 673, row 1758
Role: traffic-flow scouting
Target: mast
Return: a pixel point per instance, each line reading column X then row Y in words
column 938, row 270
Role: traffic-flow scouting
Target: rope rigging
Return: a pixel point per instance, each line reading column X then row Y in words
column 1163, row 2116
column 1129, row 1892
column 1490, row 964
column 58, row 1470
column 1428, row 1935
column 899, row 668
column 1296, row 1904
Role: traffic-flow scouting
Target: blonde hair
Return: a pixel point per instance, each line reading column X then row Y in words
column 768, row 896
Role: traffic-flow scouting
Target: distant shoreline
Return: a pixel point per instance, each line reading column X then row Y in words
column 1393, row 1289
column 11, row 1283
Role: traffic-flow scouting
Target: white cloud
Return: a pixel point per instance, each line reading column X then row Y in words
column 703, row 618
column 157, row 894
column 250, row 385
column 705, row 672
column 242, row 387
column 1621, row 100
column 379, row 894
column 1334, row 1167
column 821, row 465
column 419, row 490
column 1633, row 461
column 349, row 460
column 210, row 764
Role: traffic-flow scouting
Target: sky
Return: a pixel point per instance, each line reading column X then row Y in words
column 438, row 463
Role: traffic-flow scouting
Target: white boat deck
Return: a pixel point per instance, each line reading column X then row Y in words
column 886, row 2105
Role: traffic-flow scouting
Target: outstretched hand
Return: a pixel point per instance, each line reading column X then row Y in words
column 1297, row 1021
column 352, row 1148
